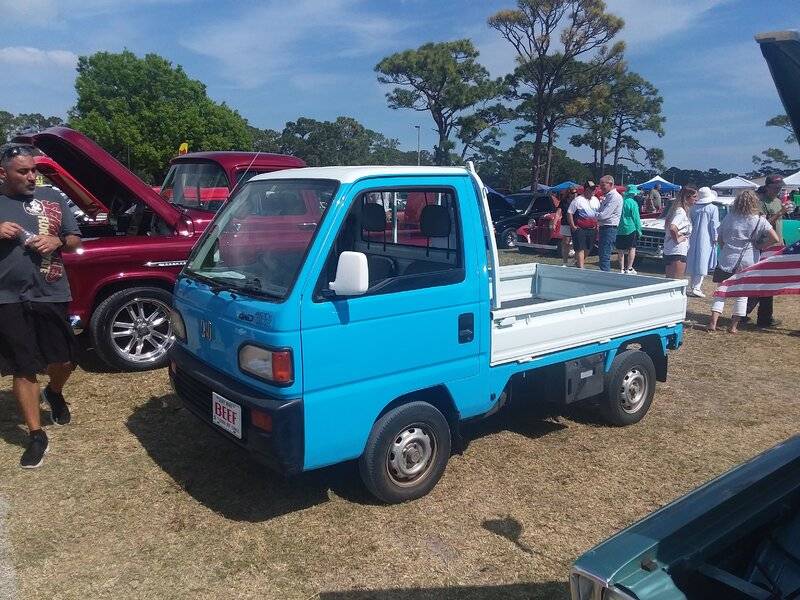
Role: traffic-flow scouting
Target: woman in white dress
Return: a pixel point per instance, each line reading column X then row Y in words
column 702, row 256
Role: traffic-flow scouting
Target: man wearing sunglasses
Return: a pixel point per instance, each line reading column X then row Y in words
column 36, row 227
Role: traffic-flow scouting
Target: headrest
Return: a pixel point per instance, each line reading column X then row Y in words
column 434, row 221
column 287, row 203
column 373, row 217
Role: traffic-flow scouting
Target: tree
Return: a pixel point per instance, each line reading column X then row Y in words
column 775, row 159
column 142, row 109
column 629, row 106
column 532, row 28
column 11, row 124
column 446, row 80
column 344, row 141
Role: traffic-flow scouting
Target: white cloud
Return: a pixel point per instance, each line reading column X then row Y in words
column 46, row 12
column 25, row 56
column 651, row 22
column 266, row 42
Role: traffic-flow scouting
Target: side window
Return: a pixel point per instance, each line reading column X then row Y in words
column 411, row 238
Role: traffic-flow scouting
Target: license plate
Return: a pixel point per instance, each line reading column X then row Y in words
column 226, row 414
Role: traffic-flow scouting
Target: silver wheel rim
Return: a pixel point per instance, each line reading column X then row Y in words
column 633, row 390
column 511, row 239
column 140, row 331
column 410, row 455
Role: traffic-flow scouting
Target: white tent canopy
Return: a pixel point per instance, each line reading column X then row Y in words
column 792, row 180
column 735, row 183
column 665, row 185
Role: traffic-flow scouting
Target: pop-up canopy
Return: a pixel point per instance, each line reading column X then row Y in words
column 665, row 185
column 566, row 185
column 735, row 183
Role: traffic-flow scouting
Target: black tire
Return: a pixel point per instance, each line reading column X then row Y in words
column 102, row 321
column 507, row 238
column 416, row 421
column 629, row 388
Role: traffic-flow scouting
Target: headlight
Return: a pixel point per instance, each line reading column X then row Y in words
column 178, row 326
column 274, row 366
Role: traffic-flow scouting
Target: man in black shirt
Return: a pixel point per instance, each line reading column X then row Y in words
column 36, row 226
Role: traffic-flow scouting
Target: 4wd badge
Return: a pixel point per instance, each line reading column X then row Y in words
column 206, row 332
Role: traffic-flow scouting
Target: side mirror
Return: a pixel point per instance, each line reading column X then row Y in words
column 352, row 275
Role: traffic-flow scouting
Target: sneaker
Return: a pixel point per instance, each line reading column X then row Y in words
column 631, row 271
column 59, row 409
column 696, row 294
column 34, row 453
column 771, row 324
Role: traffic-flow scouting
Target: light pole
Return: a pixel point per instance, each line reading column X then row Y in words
column 417, row 128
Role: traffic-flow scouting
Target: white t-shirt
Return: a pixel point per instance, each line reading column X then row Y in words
column 680, row 220
column 583, row 203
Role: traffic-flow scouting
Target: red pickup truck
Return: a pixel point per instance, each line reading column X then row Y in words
column 136, row 240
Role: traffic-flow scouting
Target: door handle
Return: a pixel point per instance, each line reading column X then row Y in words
column 466, row 328
column 306, row 226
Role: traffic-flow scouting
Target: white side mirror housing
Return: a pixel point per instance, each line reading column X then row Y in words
column 352, row 275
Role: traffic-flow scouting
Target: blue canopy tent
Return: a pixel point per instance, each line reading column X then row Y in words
column 666, row 186
column 539, row 186
column 564, row 186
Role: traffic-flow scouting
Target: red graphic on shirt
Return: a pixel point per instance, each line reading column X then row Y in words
column 52, row 266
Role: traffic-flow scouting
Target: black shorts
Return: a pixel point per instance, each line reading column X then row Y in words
column 583, row 239
column 626, row 242
column 34, row 335
column 671, row 258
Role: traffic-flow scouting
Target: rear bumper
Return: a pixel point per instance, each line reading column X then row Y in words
column 281, row 449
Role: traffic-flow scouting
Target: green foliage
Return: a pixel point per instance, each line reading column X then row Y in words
column 775, row 160
column 783, row 122
column 142, row 109
column 624, row 108
column 446, row 80
column 11, row 124
column 509, row 170
column 548, row 75
column 344, row 141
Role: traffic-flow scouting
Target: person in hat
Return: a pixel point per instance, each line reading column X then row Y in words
column 629, row 230
column 702, row 256
column 774, row 211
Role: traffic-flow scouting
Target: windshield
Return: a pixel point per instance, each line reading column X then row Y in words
column 258, row 241
column 200, row 185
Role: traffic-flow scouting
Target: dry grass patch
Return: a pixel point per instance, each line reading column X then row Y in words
column 139, row 500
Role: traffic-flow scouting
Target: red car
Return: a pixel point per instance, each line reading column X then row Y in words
column 136, row 240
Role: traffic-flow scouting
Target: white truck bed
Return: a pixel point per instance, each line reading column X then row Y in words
column 545, row 308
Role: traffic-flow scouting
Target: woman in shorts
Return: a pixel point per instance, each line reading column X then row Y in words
column 629, row 230
column 677, row 229
column 582, row 218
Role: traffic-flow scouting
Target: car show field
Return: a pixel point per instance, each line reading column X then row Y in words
column 137, row 500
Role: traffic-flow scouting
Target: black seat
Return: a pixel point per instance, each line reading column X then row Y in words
column 434, row 221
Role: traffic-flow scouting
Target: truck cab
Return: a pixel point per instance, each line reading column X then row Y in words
column 135, row 240
column 367, row 336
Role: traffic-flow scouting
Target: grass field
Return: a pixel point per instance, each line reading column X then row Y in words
column 137, row 499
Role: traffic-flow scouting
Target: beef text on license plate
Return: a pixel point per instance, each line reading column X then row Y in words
column 226, row 414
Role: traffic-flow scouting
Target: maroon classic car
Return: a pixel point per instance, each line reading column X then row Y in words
column 136, row 239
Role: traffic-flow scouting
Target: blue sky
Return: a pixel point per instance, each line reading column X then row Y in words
column 275, row 60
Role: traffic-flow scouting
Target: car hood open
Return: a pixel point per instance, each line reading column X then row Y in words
column 102, row 175
column 781, row 49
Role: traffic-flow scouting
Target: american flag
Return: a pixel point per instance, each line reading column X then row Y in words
column 777, row 273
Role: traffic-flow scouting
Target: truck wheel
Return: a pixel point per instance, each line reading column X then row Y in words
column 406, row 453
column 508, row 238
column 131, row 329
column 629, row 388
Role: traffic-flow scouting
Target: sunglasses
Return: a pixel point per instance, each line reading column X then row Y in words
column 14, row 151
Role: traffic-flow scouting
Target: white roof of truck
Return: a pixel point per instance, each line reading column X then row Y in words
column 351, row 174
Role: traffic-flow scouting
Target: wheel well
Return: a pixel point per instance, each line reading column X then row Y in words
column 439, row 397
column 116, row 286
column 651, row 345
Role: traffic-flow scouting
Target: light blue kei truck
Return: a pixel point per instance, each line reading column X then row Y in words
column 374, row 327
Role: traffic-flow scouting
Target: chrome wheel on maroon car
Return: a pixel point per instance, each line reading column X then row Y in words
column 140, row 330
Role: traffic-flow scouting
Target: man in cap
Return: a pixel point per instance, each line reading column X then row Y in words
column 36, row 226
column 774, row 211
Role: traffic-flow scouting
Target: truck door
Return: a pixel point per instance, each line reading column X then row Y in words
column 415, row 328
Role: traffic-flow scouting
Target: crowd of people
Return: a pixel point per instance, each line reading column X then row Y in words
column 696, row 242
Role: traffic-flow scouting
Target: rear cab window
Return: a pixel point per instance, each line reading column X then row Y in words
column 196, row 185
column 411, row 237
